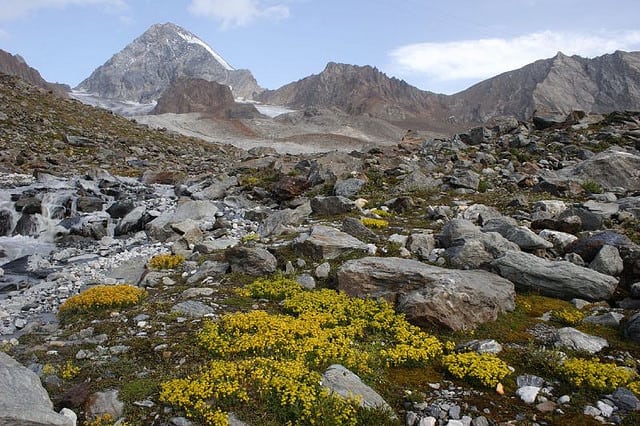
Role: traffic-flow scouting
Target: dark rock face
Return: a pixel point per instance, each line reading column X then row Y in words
column 198, row 95
column 165, row 53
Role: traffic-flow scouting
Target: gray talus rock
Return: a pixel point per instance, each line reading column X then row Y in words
column 341, row 381
column 428, row 294
column 326, row 242
column 555, row 278
column 348, row 188
column 331, row 205
column 23, row 400
column 107, row 402
column 467, row 247
column 523, row 237
column 608, row 261
column 251, row 260
column 160, row 227
column 277, row 222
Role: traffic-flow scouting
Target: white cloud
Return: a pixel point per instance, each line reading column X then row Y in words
column 238, row 13
column 12, row 9
column 484, row 58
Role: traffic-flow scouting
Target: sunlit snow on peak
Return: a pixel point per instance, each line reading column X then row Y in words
column 195, row 40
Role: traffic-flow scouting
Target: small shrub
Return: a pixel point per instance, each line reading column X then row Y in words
column 592, row 187
column 483, row 185
column 102, row 297
column 371, row 222
column 275, row 289
column 602, row 377
column 569, row 316
column 165, row 261
column 250, row 237
column 485, row 369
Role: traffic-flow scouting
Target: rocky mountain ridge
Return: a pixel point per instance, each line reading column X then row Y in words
column 160, row 56
column 558, row 85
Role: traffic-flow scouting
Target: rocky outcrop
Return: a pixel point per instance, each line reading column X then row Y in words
column 23, row 400
column 560, row 279
column 429, row 294
column 165, row 53
column 207, row 97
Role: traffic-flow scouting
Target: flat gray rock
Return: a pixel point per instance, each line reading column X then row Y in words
column 569, row 337
column 193, row 308
column 326, row 242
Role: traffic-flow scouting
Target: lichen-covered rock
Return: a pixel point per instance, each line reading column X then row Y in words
column 429, row 294
column 560, row 279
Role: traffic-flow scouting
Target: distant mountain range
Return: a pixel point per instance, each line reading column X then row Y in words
column 167, row 54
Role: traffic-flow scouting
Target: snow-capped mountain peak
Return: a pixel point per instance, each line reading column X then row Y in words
column 162, row 55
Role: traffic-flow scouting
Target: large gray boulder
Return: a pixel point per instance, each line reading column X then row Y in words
column 429, row 294
column 326, row 242
column 23, row 400
column 560, row 279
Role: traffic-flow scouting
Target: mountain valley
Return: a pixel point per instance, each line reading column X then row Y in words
column 180, row 246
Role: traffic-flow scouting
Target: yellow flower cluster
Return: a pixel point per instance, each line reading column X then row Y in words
column 287, row 383
column 568, row 316
column 604, row 377
column 486, row 369
column 381, row 213
column 634, row 387
column 69, row 371
column 277, row 357
column 278, row 288
column 102, row 297
column 371, row 222
column 165, row 261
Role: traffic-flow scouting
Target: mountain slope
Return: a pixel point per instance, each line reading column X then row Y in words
column 152, row 62
column 559, row 84
column 358, row 90
column 16, row 65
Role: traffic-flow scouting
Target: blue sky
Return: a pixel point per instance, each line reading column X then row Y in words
column 439, row 45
